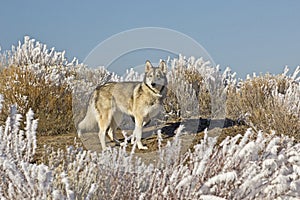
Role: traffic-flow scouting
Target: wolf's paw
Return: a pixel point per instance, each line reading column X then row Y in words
column 123, row 144
column 79, row 134
column 142, row 147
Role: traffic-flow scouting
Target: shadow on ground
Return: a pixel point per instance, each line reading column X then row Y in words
column 195, row 126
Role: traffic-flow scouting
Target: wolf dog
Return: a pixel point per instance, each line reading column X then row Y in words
column 140, row 100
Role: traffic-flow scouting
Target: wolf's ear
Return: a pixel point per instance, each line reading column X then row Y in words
column 163, row 66
column 148, row 66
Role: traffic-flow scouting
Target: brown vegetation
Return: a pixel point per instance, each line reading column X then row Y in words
column 264, row 110
column 52, row 104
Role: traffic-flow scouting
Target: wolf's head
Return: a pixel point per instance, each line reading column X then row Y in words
column 155, row 77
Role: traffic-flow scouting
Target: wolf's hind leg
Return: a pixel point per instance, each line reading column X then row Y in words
column 112, row 132
column 115, row 122
column 104, row 122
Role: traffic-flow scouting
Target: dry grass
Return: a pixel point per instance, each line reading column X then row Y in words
column 51, row 103
column 264, row 110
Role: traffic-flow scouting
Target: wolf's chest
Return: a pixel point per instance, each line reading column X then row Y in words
column 151, row 108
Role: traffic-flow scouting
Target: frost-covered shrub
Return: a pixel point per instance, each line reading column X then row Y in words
column 52, row 103
column 18, row 144
column 47, row 63
column 268, row 102
column 19, row 178
column 32, row 52
column 2, row 59
column 196, row 89
column 242, row 167
column 183, row 88
column 38, row 78
column 42, row 79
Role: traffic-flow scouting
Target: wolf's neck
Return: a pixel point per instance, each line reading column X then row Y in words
column 155, row 93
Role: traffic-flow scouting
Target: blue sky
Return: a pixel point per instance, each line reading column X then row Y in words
column 248, row 36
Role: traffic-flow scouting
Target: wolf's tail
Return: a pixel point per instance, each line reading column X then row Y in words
column 89, row 122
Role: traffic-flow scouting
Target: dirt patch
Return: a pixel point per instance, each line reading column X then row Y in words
column 229, row 131
column 56, row 142
column 193, row 127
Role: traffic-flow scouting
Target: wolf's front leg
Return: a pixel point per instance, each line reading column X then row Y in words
column 137, row 134
column 101, row 135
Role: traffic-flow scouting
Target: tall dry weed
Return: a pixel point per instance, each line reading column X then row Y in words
column 257, row 102
column 52, row 103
